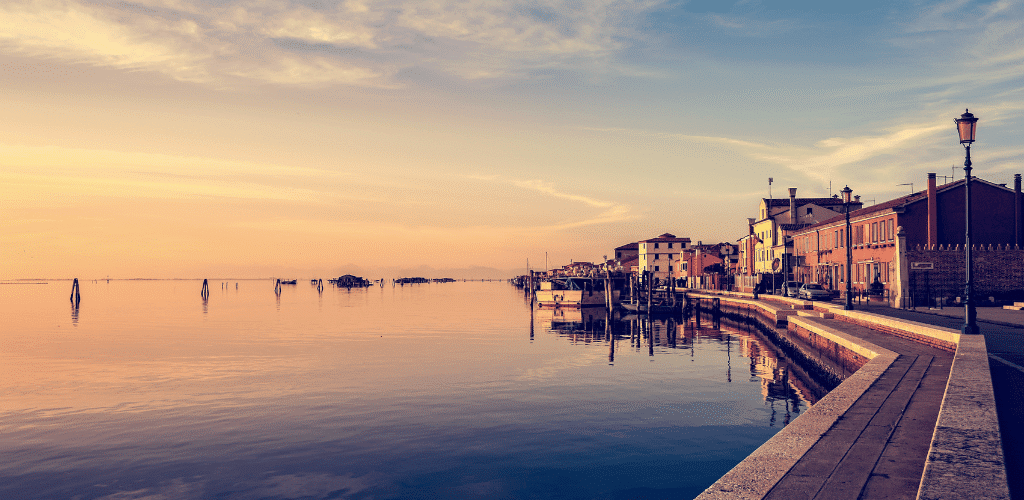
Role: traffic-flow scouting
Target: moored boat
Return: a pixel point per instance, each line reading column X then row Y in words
column 573, row 292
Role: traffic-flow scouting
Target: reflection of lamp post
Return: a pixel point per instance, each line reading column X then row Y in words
column 967, row 125
column 849, row 251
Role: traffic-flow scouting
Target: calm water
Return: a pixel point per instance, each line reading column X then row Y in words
column 454, row 390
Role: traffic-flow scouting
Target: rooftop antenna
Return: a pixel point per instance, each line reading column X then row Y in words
column 911, row 184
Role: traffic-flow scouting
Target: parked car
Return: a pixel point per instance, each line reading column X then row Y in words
column 791, row 288
column 814, row 291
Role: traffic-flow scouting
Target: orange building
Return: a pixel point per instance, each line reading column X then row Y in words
column 931, row 218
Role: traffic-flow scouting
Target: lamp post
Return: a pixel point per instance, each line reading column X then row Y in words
column 849, row 251
column 967, row 125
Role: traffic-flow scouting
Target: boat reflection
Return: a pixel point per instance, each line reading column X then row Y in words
column 786, row 387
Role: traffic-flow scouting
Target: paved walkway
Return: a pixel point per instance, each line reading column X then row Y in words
column 878, row 448
column 1004, row 335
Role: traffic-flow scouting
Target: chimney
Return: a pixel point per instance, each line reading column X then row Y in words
column 1016, row 210
column 792, row 205
column 933, row 212
column 856, row 198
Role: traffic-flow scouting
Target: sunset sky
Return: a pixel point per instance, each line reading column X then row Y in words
column 251, row 138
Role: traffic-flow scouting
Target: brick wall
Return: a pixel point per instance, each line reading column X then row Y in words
column 998, row 272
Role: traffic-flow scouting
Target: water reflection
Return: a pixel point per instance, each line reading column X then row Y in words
column 423, row 392
column 785, row 386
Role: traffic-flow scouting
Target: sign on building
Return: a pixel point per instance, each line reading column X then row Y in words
column 922, row 265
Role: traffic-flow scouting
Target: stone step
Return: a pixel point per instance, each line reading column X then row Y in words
column 816, row 314
column 1015, row 307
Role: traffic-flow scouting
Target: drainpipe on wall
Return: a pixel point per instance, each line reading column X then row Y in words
column 1016, row 210
column 933, row 212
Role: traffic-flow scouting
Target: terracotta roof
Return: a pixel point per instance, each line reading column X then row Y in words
column 784, row 202
column 793, row 227
column 666, row 237
column 901, row 201
column 629, row 246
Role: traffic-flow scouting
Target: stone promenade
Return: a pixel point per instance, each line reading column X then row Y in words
column 1004, row 335
column 902, row 426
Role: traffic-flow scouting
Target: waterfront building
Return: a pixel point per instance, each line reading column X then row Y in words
column 910, row 245
column 660, row 255
column 720, row 257
column 630, row 266
column 627, row 252
column 765, row 252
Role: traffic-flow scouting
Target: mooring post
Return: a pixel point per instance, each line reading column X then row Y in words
column 277, row 287
column 76, row 295
column 205, row 293
column 650, row 289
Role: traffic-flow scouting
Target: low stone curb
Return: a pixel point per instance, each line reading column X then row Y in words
column 966, row 456
column 757, row 474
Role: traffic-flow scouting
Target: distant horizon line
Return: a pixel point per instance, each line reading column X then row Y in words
column 19, row 281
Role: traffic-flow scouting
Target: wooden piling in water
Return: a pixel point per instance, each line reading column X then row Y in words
column 650, row 289
column 76, row 294
column 205, row 293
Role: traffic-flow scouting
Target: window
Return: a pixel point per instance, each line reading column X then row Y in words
column 835, row 242
column 657, row 256
column 892, row 232
column 670, row 246
column 656, row 245
column 842, row 238
column 810, row 210
column 874, row 232
column 669, row 268
column 682, row 266
column 656, row 268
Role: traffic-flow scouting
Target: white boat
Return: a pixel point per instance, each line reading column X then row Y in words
column 573, row 292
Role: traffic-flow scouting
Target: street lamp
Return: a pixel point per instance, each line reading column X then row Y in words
column 967, row 125
column 849, row 251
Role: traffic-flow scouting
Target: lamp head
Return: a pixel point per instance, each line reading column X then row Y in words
column 846, row 194
column 966, row 125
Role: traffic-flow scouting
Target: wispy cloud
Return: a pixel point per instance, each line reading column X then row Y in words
column 291, row 43
column 610, row 212
column 820, row 160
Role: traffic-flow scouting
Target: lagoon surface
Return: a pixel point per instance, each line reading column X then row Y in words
column 453, row 390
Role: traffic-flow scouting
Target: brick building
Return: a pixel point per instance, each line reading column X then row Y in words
column 930, row 220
